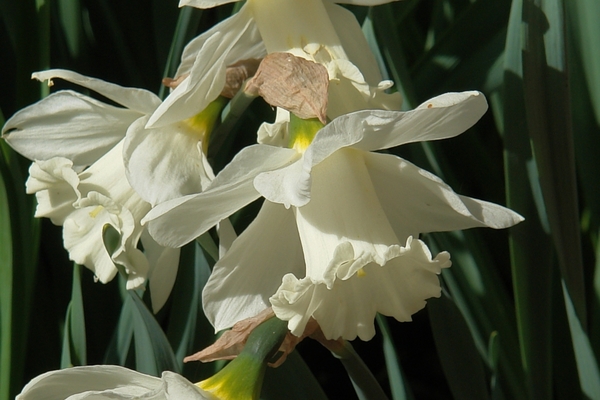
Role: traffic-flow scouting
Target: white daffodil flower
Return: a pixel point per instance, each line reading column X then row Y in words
column 88, row 155
column 110, row 382
column 343, row 218
column 319, row 31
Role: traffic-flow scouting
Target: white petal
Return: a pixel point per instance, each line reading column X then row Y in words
column 106, row 382
column 343, row 227
column 82, row 234
column 179, row 221
column 164, row 263
column 67, row 124
column 362, row 2
column 242, row 280
column 140, row 100
column 416, row 201
column 165, row 163
column 63, row 383
column 291, row 185
column 54, row 183
column 398, row 289
column 204, row 3
column 442, row 117
column 233, row 39
column 354, row 42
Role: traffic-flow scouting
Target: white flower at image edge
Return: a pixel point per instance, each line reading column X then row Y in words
column 341, row 219
column 109, row 382
column 84, row 151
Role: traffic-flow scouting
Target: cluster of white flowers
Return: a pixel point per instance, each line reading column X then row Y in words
column 337, row 237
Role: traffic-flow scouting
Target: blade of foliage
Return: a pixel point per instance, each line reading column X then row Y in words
column 395, row 375
column 548, row 118
column 119, row 348
column 6, row 289
column 70, row 22
column 364, row 383
column 587, row 365
column 188, row 329
column 74, row 350
column 153, row 351
column 19, row 248
column 293, row 380
column 460, row 359
column 531, row 261
column 187, row 24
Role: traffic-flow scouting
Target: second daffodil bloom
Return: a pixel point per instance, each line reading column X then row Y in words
column 83, row 151
column 317, row 30
column 337, row 236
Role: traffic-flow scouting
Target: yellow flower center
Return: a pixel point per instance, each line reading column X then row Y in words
column 201, row 125
column 302, row 132
column 94, row 213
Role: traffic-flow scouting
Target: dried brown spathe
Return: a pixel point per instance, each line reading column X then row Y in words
column 293, row 83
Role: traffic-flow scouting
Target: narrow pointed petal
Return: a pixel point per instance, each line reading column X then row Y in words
column 417, row 201
column 67, row 124
column 140, row 100
column 169, row 222
column 158, row 175
column 354, row 42
column 233, row 39
column 347, row 309
column 251, row 271
column 441, row 117
column 164, row 263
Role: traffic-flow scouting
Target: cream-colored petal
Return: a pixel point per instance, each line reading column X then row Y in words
column 67, row 124
column 82, row 235
column 109, row 382
column 205, row 60
column 55, row 185
column 343, row 209
column 442, row 117
column 204, row 3
column 179, row 221
column 244, row 278
column 399, row 289
column 416, row 201
column 165, row 163
column 63, row 383
column 140, row 100
column 164, row 263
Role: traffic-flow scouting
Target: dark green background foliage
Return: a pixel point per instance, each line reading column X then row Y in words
column 520, row 313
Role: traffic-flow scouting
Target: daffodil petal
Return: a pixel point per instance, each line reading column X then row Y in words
column 140, row 100
column 55, row 184
column 251, row 271
column 169, row 222
column 416, row 201
column 109, row 382
column 157, row 174
column 164, row 263
column 67, row 124
column 347, row 310
column 441, row 117
column 354, row 43
column 204, row 3
column 233, row 39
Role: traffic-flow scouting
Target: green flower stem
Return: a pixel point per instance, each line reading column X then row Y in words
column 365, row 384
column 242, row 378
